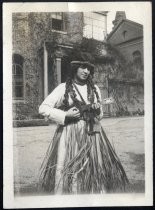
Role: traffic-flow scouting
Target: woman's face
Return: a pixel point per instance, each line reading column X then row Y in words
column 82, row 73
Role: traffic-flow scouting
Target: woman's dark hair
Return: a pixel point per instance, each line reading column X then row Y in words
column 74, row 68
column 91, row 89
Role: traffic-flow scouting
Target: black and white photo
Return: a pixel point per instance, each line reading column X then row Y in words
column 77, row 104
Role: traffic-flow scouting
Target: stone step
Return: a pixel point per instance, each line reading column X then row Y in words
column 106, row 115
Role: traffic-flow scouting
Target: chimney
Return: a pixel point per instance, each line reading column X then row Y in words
column 120, row 15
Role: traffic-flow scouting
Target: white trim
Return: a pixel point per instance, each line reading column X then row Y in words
column 60, row 32
column 65, row 46
column 58, row 69
column 45, row 72
column 126, row 44
column 21, row 101
column 24, row 83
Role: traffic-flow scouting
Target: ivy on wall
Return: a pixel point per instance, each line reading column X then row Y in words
column 127, row 76
column 111, row 61
column 36, row 30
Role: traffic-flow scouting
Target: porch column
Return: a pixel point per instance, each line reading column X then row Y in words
column 45, row 72
column 58, row 70
column 107, row 86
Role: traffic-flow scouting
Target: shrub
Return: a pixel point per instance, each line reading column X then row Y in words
column 30, row 123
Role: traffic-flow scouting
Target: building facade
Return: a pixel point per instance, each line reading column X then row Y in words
column 127, row 38
column 41, row 45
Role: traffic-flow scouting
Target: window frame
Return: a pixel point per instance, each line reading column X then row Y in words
column 63, row 31
column 91, row 19
column 18, row 99
column 59, row 22
column 137, row 59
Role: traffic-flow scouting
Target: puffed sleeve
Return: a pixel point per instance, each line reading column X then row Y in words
column 99, row 94
column 49, row 107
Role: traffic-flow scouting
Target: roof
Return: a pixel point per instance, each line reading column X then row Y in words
column 102, row 13
column 120, row 23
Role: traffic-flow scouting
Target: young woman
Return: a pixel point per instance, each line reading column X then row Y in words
column 80, row 158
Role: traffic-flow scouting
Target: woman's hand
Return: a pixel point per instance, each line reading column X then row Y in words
column 96, row 106
column 73, row 113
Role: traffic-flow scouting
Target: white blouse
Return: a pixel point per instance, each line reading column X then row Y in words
column 49, row 107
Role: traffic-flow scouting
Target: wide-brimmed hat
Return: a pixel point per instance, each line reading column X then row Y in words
column 83, row 59
column 86, row 63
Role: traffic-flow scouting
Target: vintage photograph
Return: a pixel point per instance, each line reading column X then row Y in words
column 78, row 102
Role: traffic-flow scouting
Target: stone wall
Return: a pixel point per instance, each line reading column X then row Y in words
column 129, row 98
column 30, row 32
column 23, row 46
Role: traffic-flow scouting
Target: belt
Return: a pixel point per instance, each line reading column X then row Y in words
column 71, row 121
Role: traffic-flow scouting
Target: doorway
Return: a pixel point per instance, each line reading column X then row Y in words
column 65, row 68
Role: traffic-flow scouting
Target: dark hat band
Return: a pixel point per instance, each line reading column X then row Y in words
column 83, row 63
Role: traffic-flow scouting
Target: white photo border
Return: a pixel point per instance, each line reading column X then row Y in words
column 134, row 199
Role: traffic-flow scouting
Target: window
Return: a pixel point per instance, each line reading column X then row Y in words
column 17, row 74
column 57, row 21
column 137, row 57
column 124, row 34
column 95, row 25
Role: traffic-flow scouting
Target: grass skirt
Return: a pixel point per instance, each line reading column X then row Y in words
column 80, row 163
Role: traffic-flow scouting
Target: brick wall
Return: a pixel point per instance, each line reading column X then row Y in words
column 128, row 49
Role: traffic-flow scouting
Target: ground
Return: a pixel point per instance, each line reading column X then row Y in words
column 125, row 134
